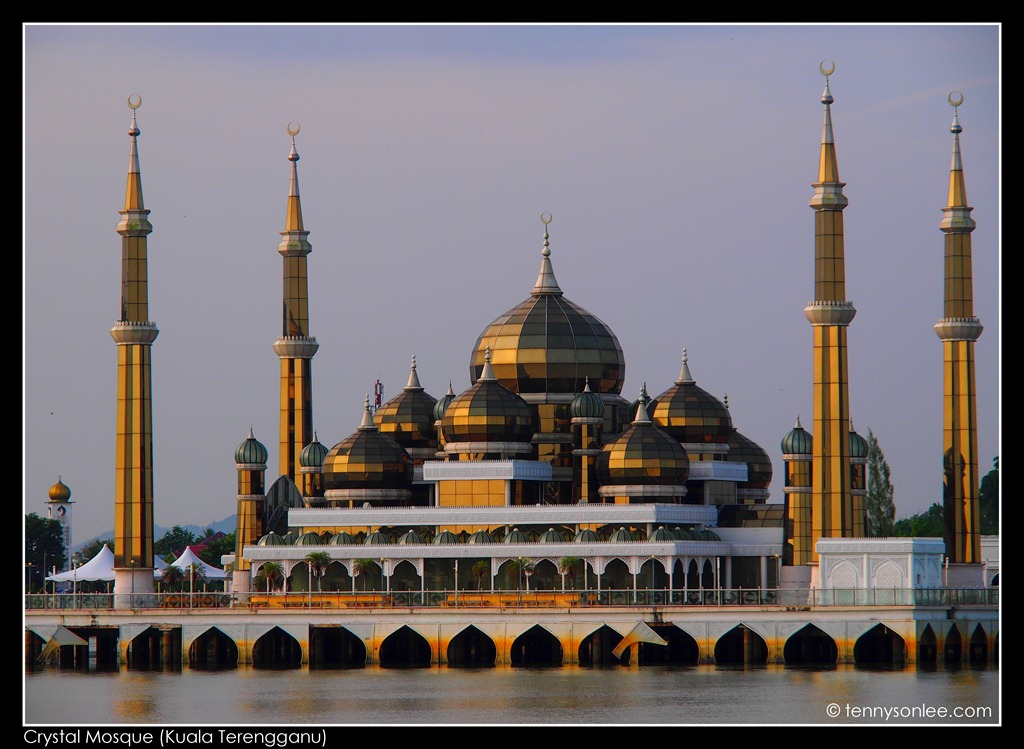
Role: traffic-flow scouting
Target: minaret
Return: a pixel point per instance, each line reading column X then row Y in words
column 295, row 347
column 587, row 419
column 958, row 330
column 59, row 509
column 830, row 314
column 251, row 515
column 134, row 335
column 798, row 451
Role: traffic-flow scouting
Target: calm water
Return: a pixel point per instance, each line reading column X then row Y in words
column 559, row 696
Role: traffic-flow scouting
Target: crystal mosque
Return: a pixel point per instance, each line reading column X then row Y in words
column 541, row 515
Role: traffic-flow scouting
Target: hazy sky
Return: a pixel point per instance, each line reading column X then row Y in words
column 677, row 162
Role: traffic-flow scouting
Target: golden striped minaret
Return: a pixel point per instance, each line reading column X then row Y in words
column 134, row 335
column 295, row 347
column 830, row 314
column 958, row 330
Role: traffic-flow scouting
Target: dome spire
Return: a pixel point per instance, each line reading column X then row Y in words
column 488, row 372
column 828, row 166
column 684, row 373
column 293, row 219
column 957, row 186
column 367, row 422
column 414, row 380
column 133, row 192
column 797, row 426
column 546, row 283
column 642, row 417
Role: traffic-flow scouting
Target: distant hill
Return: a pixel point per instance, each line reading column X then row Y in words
column 227, row 525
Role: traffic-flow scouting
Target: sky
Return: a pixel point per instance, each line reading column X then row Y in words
column 676, row 161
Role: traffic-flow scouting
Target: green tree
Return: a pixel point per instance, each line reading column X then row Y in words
column 174, row 541
column 318, row 562
column 567, row 568
column 928, row 524
column 519, row 567
column 881, row 510
column 271, row 574
column 44, row 548
column 171, row 577
column 481, row 570
column 364, row 567
column 988, row 500
column 214, row 550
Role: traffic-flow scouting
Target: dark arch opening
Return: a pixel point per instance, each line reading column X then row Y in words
column 536, row 647
column 405, row 648
column 880, row 646
column 335, row 647
column 596, row 648
column 277, row 649
column 213, row 650
column 952, row 650
column 927, row 647
column 741, row 646
column 155, row 650
column 682, row 649
column 978, row 654
column 810, row 646
column 471, row 648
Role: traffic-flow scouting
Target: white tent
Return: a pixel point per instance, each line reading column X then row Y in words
column 100, row 567
column 188, row 557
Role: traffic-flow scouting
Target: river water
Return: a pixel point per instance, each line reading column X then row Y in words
column 441, row 696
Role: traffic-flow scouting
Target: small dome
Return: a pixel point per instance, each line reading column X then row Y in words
column 690, row 414
column 742, row 449
column 409, row 538
column 446, row 537
column 408, row 418
column 622, row 535
column 586, row 536
column 309, row 538
column 662, row 534
column 681, row 534
column 644, row 455
column 516, row 536
column 367, row 459
column 481, row 537
column 548, row 344
column 251, row 451
column 325, row 537
column 798, row 441
column 289, row 538
column 313, row 454
column 707, row 535
column 271, row 539
column 60, row 492
column 488, row 412
column 551, row 536
column 343, row 538
column 858, row 445
column 442, row 405
column 377, row 538
column 587, row 405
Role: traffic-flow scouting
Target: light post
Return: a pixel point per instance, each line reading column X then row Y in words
column 28, row 581
column 382, row 583
column 456, row 582
column 132, row 563
column 191, row 569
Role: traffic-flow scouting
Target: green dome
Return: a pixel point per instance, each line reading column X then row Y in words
column 446, row 537
column 410, row 537
column 690, row 414
column 313, row 454
column 251, row 451
column 309, row 539
column 377, row 539
column 408, row 418
column 271, row 539
column 343, row 538
column 662, row 534
column 587, row 405
column 858, row 445
column 289, row 538
column 516, row 536
column 548, row 344
column 442, row 405
column 622, row 535
column 586, row 536
column 60, row 492
column 367, row 459
column 798, row 441
column 551, row 536
column 481, row 537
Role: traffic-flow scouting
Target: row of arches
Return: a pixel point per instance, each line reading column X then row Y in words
column 335, row 646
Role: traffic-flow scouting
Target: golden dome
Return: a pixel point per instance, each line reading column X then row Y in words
column 367, row 459
column 643, row 455
column 548, row 344
column 60, row 492
column 690, row 414
column 487, row 412
column 408, row 418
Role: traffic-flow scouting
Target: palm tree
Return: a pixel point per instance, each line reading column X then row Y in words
column 171, row 576
column 272, row 573
column 318, row 562
column 519, row 567
column 567, row 567
column 196, row 574
column 479, row 571
column 363, row 567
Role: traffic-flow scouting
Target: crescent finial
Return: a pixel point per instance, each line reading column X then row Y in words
column 293, row 128
column 826, row 67
column 134, row 101
column 545, row 218
column 955, row 99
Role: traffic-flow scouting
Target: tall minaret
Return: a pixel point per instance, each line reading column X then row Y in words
column 958, row 330
column 134, row 335
column 830, row 314
column 295, row 347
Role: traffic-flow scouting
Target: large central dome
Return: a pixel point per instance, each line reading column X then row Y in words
column 548, row 344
